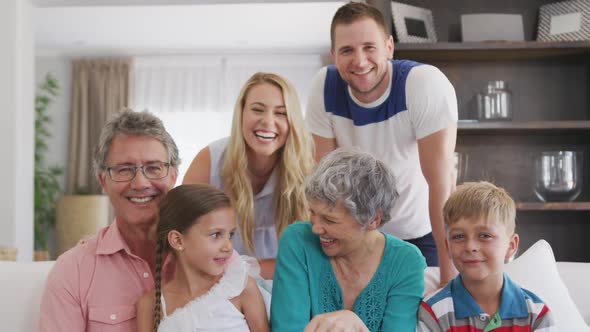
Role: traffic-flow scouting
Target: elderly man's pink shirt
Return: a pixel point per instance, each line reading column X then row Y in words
column 95, row 286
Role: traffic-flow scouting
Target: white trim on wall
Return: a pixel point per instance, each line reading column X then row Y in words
column 94, row 52
column 89, row 3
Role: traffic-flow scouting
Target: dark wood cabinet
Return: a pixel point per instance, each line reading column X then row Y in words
column 550, row 85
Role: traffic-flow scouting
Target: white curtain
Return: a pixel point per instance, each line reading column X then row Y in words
column 177, row 84
column 195, row 95
column 298, row 69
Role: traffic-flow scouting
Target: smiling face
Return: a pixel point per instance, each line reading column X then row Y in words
column 136, row 202
column 361, row 53
column 206, row 245
column 479, row 249
column 340, row 234
column 265, row 125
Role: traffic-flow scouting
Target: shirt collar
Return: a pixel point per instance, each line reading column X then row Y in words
column 111, row 241
column 512, row 303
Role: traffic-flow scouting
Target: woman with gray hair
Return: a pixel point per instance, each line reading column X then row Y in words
column 339, row 272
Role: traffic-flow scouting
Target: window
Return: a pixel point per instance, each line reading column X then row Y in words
column 195, row 95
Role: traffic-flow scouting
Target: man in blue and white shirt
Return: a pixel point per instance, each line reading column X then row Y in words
column 403, row 112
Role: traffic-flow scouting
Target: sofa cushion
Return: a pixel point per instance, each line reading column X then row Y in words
column 23, row 284
column 536, row 271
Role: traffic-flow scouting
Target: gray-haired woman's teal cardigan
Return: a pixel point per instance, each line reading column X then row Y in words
column 305, row 285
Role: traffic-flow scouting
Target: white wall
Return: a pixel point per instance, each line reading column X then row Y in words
column 16, row 127
column 59, row 111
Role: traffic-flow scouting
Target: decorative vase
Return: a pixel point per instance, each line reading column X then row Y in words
column 8, row 254
column 41, row 255
column 78, row 217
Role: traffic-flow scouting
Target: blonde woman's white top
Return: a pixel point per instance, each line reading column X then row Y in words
column 212, row 311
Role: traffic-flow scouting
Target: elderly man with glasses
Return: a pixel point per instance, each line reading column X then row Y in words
column 95, row 285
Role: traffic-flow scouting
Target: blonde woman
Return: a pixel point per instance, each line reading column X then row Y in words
column 261, row 166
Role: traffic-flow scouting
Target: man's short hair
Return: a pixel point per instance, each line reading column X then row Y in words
column 129, row 122
column 474, row 200
column 354, row 11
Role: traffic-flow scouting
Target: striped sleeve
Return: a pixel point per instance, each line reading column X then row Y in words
column 427, row 321
column 544, row 321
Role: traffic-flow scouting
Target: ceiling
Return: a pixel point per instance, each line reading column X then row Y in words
column 68, row 27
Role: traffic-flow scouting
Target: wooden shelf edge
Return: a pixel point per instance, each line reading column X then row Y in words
column 525, row 125
column 553, row 206
column 490, row 51
column 497, row 45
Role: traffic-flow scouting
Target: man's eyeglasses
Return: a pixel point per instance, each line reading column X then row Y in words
column 124, row 173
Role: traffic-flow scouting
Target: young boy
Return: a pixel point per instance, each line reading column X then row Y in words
column 479, row 220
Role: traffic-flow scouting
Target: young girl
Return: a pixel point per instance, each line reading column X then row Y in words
column 210, row 289
column 261, row 166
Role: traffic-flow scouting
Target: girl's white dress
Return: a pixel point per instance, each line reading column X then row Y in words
column 212, row 311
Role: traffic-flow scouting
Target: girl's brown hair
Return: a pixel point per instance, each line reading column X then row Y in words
column 179, row 210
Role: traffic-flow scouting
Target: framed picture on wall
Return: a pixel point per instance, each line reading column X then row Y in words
column 564, row 21
column 412, row 24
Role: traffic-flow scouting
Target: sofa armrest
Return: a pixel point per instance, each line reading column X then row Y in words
column 575, row 276
column 23, row 285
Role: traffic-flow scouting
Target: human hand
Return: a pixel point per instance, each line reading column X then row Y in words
column 336, row 321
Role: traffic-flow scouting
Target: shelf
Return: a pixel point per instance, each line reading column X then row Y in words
column 526, row 126
column 526, row 50
column 554, row 206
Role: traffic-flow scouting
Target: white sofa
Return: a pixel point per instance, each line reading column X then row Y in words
column 21, row 286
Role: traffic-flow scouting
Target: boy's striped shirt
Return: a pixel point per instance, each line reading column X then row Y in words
column 453, row 309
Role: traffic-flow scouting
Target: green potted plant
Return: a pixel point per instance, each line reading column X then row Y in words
column 47, row 187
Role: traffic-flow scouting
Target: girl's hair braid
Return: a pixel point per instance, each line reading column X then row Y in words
column 158, row 279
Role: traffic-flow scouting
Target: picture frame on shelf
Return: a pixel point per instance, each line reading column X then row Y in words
column 413, row 24
column 491, row 27
column 564, row 21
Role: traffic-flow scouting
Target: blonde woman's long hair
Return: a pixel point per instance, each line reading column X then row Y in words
column 295, row 162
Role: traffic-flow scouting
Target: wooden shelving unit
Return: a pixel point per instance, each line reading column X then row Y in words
column 550, row 85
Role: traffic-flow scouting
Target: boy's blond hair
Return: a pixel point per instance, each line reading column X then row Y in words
column 474, row 200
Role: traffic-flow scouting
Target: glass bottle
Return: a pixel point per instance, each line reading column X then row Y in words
column 495, row 102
